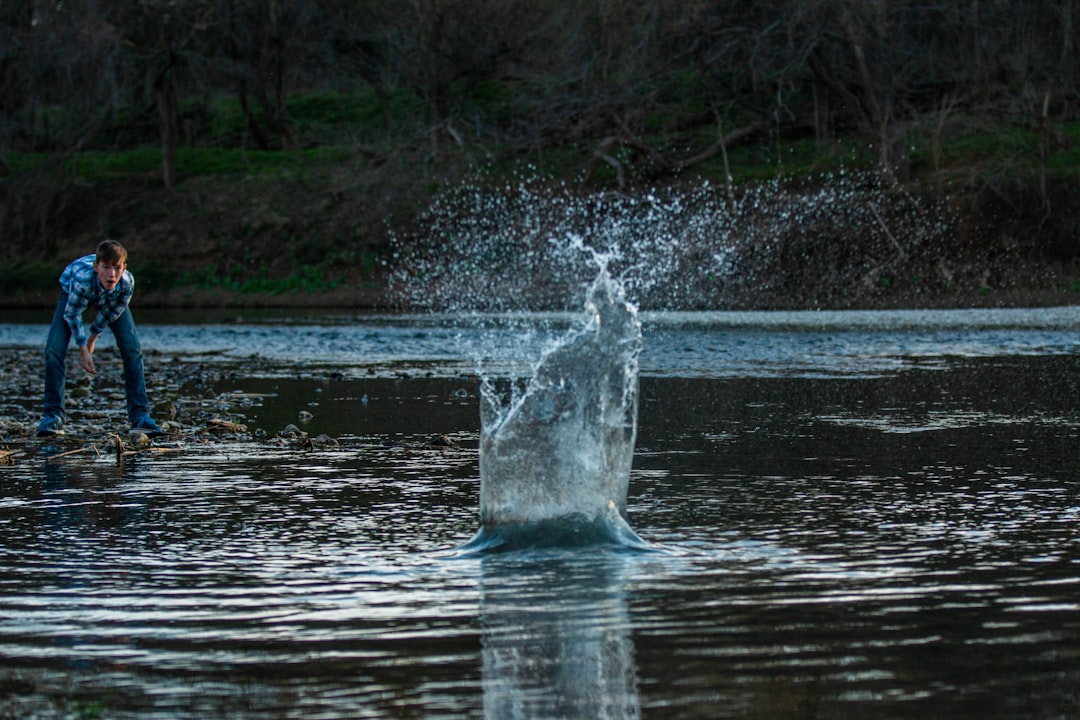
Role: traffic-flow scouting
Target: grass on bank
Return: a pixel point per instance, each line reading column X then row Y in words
column 39, row 276
column 336, row 128
column 346, row 130
column 972, row 151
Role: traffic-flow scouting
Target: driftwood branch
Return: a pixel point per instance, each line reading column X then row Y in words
column 723, row 142
column 119, row 448
column 660, row 164
column 900, row 252
column 120, row 451
column 88, row 448
column 602, row 152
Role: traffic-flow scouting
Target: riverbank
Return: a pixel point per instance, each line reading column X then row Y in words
column 183, row 391
column 828, row 241
column 205, row 401
column 186, row 406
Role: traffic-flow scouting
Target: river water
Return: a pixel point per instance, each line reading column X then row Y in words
column 850, row 514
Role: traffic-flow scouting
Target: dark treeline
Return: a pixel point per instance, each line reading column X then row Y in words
column 637, row 88
column 118, row 73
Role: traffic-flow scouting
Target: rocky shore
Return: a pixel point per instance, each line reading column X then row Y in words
column 186, row 401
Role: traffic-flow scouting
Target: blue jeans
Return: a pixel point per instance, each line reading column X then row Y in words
column 127, row 342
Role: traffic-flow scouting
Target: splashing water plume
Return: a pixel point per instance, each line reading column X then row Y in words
column 555, row 460
column 556, row 450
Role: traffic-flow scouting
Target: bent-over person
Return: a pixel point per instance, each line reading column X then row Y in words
column 101, row 280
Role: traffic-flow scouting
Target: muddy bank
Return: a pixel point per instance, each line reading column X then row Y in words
column 816, row 244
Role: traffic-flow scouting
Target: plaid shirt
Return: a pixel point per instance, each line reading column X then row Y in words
column 81, row 284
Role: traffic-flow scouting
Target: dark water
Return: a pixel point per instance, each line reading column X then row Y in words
column 854, row 515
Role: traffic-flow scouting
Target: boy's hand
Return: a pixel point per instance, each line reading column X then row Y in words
column 86, row 357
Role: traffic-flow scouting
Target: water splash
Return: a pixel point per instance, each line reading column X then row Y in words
column 700, row 247
column 555, row 453
column 555, row 459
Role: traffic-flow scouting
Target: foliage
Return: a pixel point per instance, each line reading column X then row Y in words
column 32, row 275
column 307, row 279
column 390, row 102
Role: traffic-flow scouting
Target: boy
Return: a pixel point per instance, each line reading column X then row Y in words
column 101, row 280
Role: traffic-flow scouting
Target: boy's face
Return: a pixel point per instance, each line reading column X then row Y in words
column 108, row 274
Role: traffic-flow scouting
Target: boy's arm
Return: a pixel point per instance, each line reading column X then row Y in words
column 86, row 355
column 76, row 305
column 73, row 311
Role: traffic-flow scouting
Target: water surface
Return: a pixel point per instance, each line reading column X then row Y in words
column 853, row 515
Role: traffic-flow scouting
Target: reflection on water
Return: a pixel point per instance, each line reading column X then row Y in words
column 557, row 637
column 880, row 525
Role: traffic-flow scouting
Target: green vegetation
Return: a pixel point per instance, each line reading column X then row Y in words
column 87, row 710
column 236, row 279
column 19, row 277
column 989, row 149
column 274, row 257
column 253, row 149
column 99, row 166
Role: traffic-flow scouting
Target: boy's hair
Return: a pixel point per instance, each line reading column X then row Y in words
column 111, row 252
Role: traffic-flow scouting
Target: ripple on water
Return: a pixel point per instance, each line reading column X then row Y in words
column 812, row 557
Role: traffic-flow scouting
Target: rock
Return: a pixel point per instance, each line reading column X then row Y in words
column 165, row 410
column 291, row 430
column 305, row 416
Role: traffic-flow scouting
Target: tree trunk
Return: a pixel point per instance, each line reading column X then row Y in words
column 165, row 91
column 1068, row 71
column 281, row 112
column 253, row 127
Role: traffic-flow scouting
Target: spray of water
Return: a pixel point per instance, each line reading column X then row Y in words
column 555, row 459
column 505, row 249
column 556, row 447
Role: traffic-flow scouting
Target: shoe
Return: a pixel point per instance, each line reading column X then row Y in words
column 146, row 425
column 50, row 425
